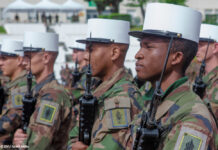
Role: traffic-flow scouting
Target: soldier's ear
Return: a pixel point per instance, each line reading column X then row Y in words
column 215, row 51
column 115, row 52
column 19, row 61
column 177, row 58
column 45, row 58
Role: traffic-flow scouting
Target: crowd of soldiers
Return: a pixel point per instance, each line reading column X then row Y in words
column 100, row 105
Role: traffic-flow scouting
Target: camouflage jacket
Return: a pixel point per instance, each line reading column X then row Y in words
column 116, row 107
column 78, row 89
column 211, row 79
column 188, row 123
column 50, row 122
column 10, row 119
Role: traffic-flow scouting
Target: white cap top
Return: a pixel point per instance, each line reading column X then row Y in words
column 38, row 41
column 171, row 18
column 107, row 31
column 78, row 46
column 9, row 47
column 209, row 32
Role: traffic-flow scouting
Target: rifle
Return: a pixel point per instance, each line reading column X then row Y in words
column 199, row 86
column 76, row 74
column 28, row 102
column 149, row 132
column 2, row 97
column 88, row 104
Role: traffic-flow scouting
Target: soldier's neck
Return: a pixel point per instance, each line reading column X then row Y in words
column 43, row 75
column 109, row 72
column 211, row 64
column 168, row 80
column 16, row 74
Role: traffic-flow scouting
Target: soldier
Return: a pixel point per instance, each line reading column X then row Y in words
column 11, row 64
column 177, row 119
column 116, row 94
column 210, row 32
column 50, row 121
column 79, row 83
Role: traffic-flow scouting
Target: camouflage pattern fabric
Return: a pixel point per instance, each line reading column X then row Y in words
column 188, row 123
column 193, row 70
column 211, row 79
column 51, row 120
column 78, row 90
column 10, row 119
column 117, row 105
column 67, row 76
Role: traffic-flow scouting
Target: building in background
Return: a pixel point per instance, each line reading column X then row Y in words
column 209, row 9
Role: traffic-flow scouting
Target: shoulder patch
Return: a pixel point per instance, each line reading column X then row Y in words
column 47, row 112
column 17, row 100
column 119, row 118
column 190, row 139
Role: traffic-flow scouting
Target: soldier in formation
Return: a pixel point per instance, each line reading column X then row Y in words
column 208, row 54
column 50, row 122
column 116, row 95
column 12, row 66
column 176, row 117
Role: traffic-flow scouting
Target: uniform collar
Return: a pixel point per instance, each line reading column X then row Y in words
column 175, row 85
column 16, row 80
column 48, row 79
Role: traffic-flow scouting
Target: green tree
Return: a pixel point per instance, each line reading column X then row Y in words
column 140, row 4
column 177, row 2
column 101, row 5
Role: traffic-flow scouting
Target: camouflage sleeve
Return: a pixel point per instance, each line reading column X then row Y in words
column 111, row 127
column 194, row 131
column 212, row 97
column 11, row 114
column 10, row 120
column 49, row 121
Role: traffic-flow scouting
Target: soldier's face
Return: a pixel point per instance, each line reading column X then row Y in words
column 99, row 59
column 79, row 55
column 150, row 58
column 34, row 60
column 202, row 48
column 8, row 65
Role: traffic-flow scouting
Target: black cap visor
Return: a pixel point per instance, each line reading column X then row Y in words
column 31, row 49
column 96, row 40
column 7, row 54
column 145, row 33
column 206, row 40
column 76, row 48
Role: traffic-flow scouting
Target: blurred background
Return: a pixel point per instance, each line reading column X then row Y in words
column 68, row 18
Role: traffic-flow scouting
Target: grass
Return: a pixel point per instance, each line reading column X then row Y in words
column 136, row 28
column 2, row 30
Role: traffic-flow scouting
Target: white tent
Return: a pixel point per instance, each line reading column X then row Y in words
column 71, row 6
column 18, row 6
column 46, row 5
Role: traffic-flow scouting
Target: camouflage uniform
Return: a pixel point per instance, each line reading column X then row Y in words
column 187, row 121
column 10, row 119
column 116, row 107
column 66, row 76
column 193, row 70
column 50, row 122
column 79, row 88
column 211, row 79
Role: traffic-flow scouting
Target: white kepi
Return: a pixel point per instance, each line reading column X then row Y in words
column 209, row 32
column 78, row 46
column 9, row 48
column 164, row 19
column 37, row 41
column 107, row 31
